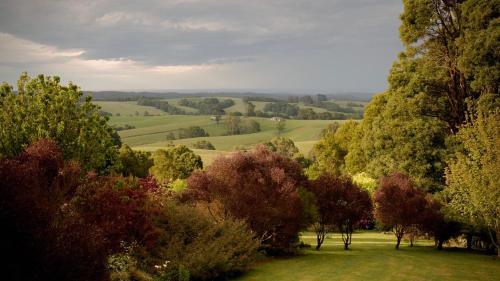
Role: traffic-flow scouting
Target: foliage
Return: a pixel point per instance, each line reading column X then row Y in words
column 259, row 187
column 43, row 108
column 280, row 127
column 191, row 243
column 364, row 181
column 282, row 108
column 341, row 204
column 330, row 151
column 395, row 136
column 162, row 105
column 192, row 132
column 203, row 144
column 58, row 226
column 399, row 205
column 438, row 224
column 283, row 146
column 208, row 105
column 132, row 163
column 236, row 126
column 463, row 37
column 472, row 178
column 176, row 162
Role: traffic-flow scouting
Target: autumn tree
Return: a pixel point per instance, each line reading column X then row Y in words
column 398, row 204
column 437, row 223
column 341, row 204
column 58, row 225
column 259, row 187
column 43, row 108
column 176, row 162
column 473, row 176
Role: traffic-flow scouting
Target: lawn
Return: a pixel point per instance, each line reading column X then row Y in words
column 373, row 257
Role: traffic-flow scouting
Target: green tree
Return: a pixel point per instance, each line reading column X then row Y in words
column 133, row 163
column 280, row 126
column 329, row 153
column 283, row 146
column 43, row 108
column 473, row 178
column 250, row 109
column 177, row 162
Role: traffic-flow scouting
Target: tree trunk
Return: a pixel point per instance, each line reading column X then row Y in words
column 320, row 237
column 399, row 241
column 440, row 244
column 469, row 240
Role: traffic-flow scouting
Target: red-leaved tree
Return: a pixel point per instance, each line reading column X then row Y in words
column 259, row 187
column 341, row 204
column 58, row 225
column 399, row 204
column 435, row 222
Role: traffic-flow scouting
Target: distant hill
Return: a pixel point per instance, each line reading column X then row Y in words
column 125, row 95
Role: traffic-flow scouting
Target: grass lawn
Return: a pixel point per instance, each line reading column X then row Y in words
column 373, row 257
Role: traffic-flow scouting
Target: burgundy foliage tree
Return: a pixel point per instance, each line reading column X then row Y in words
column 58, row 226
column 398, row 204
column 341, row 204
column 435, row 222
column 260, row 187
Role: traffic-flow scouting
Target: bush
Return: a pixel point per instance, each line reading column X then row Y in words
column 203, row 144
column 192, row 132
column 193, row 244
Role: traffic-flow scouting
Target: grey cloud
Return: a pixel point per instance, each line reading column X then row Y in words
column 188, row 32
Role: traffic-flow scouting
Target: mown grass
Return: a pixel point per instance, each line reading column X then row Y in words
column 372, row 257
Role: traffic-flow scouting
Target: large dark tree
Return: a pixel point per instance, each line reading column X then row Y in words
column 399, row 205
column 260, row 187
column 57, row 225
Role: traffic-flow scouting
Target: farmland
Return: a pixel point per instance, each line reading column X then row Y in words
column 149, row 132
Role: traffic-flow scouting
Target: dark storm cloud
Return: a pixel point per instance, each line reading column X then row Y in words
column 189, row 32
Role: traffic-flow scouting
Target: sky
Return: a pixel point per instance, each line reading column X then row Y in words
column 328, row 46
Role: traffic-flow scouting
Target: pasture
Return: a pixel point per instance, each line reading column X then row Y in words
column 150, row 132
column 372, row 257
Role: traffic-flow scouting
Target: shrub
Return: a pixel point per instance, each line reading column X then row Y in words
column 192, row 132
column 193, row 244
column 203, row 144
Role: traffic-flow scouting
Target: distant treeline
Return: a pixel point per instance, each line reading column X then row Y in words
column 162, row 105
column 250, row 96
column 290, row 110
column 208, row 106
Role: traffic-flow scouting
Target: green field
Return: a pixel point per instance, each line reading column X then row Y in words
column 126, row 108
column 150, row 131
column 373, row 257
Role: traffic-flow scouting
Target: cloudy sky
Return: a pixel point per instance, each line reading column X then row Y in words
column 274, row 45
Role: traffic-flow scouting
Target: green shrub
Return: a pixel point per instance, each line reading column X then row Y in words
column 192, row 244
column 203, row 144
